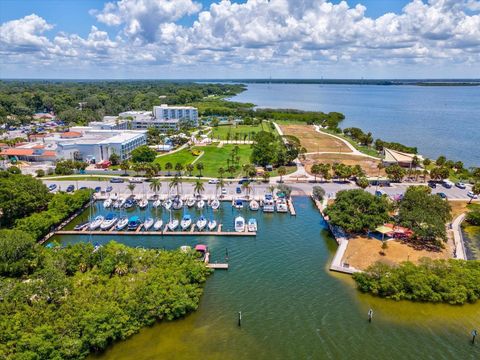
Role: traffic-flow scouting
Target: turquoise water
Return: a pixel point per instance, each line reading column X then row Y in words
column 438, row 120
column 292, row 306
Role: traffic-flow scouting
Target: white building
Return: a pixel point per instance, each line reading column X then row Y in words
column 110, row 123
column 97, row 145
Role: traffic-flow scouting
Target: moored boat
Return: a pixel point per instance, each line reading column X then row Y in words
column 157, row 203
column 177, row 203
column 143, row 203
column 191, row 202
column 167, row 204
column 282, row 206
column 172, row 224
column 268, row 203
column 212, row 224
column 158, row 224
column 254, row 206
column 238, row 204
column 239, row 224
column 201, row 204
column 81, row 226
column 95, row 224
column 215, row 204
column 130, row 203
column 107, row 203
column 201, row 223
column 133, row 223
column 186, row 222
column 109, row 221
column 252, row 225
column 148, row 223
column 122, row 223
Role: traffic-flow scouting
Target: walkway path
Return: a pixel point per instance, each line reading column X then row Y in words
column 458, row 237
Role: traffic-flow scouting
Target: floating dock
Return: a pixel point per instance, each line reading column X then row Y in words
column 291, row 208
column 217, row 266
column 157, row 233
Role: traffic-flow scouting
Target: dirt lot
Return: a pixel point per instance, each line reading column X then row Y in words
column 458, row 207
column 314, row 141
column 368, row 165
column 362, row 252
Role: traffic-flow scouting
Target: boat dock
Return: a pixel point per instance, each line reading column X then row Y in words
column 165, row 232
column 291, row 208
column 218, row 266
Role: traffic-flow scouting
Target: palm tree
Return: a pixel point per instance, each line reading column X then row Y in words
column 246, row 187
column 175, row 183
column 125, row 166
column 220, row 185
column 266, row 176
column 199, row 167
column 178, row 168
column 198, row 188
column 271, row 188
column 155, row 185
column 190, row 168
column 282, row 170
column 168, row 167
column 221, row 172
column 131, row 187
column 156, row 168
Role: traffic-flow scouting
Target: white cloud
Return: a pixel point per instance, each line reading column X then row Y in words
column 259, row 34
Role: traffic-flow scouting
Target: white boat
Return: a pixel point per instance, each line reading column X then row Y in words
column 167, row 204
column 252, row 225
column 177, row 203
column 173, row 224
column 186, row 222
column 157, row 203
column 148, row 223
column 122, row 223
column 201, row 223
column 114, row 196
column 185, row 248
column 191, row 202
column 282, row 206
column 268, row 203
column 95, row 224
column 212, row 224
column 238, row 204
column 143, row 203
column 107, row 203
column 109, row 221
column 201, row 204
column 239, row 224
column 158, row 224
column 215, row 204
column 254, row 206
column 119, row 203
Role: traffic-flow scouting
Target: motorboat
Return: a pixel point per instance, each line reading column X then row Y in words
column 238, row 204
column 252, row 225
column 107, row 203
column 202, row 250
column 167, row 204
column 268, row 203
column 81, row 226
column 239, row 224
column 172, row 224
column 119, row 203
column 191, row 202
column 212, row 224
column 95, row 224
column 215, row 204
column 133, row 223
column 129, row 203
column 157, row 224
column 177, row 203
column 201, row 204
column 122, row 223
column 185, row 248
column 148, row 223
column 114, row 196
column 282, row 206
column 201, row 223
column 109, row 221
column 143, row 203
column 186, row 222
column 254, row 206
column 157, row 203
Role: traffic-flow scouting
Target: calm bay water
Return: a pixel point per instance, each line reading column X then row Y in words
column 292, row 306
column 438, row 120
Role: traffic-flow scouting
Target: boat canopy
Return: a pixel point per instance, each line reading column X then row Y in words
column 134, row 218
column 201, row 247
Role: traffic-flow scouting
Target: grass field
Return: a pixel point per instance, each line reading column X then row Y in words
column 183, row 157
column 369, row 165
column 221, row 132
column 215, row 157
column 312, row 140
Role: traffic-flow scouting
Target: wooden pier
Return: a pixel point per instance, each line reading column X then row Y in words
column 166, row 232
column 291, row 208
column 217, row 266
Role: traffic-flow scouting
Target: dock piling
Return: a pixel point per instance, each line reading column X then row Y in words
column 370, row 315
column 239, row 318
column 474, row 335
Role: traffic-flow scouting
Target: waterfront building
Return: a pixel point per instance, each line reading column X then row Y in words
column 110, row 123
column 391, row 157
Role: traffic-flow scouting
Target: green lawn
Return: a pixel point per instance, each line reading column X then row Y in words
column 222, row 132
column 215, row 157
column 183, row 157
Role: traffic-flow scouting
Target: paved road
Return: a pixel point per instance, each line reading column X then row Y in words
column 258, row 188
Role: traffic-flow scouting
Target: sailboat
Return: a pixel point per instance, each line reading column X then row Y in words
column 212, row 224
column 201, row 204
column 215, row 204
column 177, row 203
column 190, row 202
column 158, row 224
column 186, row 222
column 143, row 203
column 201, row 223
column 109, row 221
column 254, row 206
column 107, row 203
column 167, row 204
column 239, row 224
column 96, row 222
column 122, row 223
column 148, row 223
column 173, row 223
column 157, row 203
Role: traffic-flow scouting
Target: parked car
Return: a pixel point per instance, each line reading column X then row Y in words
column 224, row 191
column 432, row 184
column 70, row 188
column 447, row 183
column 213, row 181
column 52, row 187
column 135, row 181
column 98, row 189
column 238, row 190
column 470, row 194
column 461, row 185
column 442, row 195
column 116, row 180
column 241, row 181
column 83, row 188
column 109, row 188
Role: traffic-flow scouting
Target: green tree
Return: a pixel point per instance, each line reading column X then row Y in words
column 155, row 185
column 199, row 166
column 190, row 169
column 131, row 187
column 316, row 170
column 19, row 254
column 114, row 159
column 318, row 192
column 395, row 172
column 282, row 172
column 143, row 154
column 198, row 187
column 441, row 160
column 358, row 211
column 475, row 190
column 363, row 182
column 178, row 168
column 125, row 166
column 168, row 167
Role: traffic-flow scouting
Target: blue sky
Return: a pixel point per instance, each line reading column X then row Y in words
column 254, row 38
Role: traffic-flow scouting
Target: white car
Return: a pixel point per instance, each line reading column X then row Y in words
column 213, row 181
column 135, row 181
column 472, row 195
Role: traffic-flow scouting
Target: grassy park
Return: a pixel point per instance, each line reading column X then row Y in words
column 183, row 157
column 239, row 132
column 314, row 141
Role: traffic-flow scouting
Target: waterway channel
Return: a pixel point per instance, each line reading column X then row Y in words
column 292, row 306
